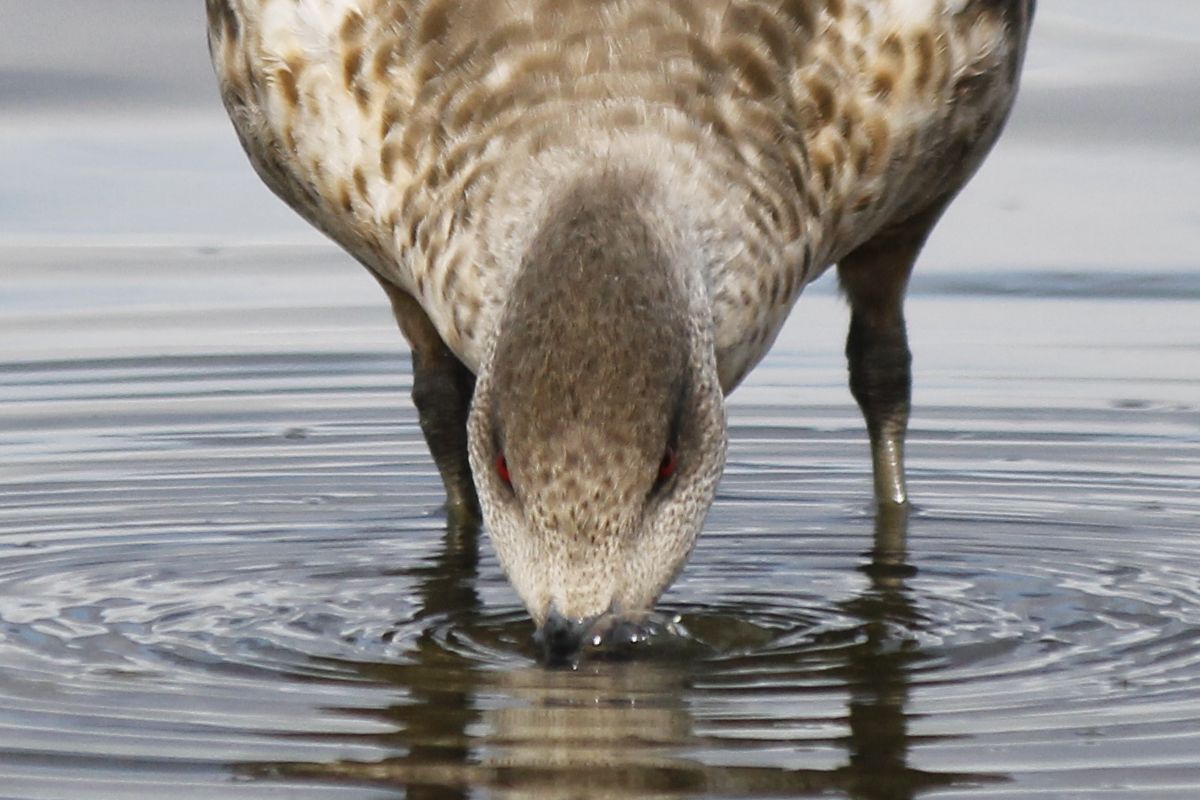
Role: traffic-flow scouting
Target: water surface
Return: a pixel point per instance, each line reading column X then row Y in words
column 223, row 570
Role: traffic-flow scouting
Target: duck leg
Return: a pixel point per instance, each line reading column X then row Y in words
column 442, row 391
column 874, row 278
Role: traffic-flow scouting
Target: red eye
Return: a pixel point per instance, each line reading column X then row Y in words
column 502, row 468
column 666, row 467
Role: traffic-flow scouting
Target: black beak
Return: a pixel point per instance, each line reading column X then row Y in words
column 562, row 638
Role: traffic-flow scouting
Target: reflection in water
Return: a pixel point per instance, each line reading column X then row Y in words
column 435, row 726
column 612, row 729
column 877, row 669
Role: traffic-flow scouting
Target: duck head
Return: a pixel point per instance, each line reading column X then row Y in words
column 597, row 432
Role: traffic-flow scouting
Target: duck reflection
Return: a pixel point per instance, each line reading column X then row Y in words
column 877, row 671
column 609, row 730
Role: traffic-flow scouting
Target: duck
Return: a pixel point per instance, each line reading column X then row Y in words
column 592, row 218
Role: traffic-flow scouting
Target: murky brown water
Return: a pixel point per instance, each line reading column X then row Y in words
column 223, row 572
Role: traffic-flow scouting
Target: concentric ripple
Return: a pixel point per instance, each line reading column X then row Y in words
column 225, row 574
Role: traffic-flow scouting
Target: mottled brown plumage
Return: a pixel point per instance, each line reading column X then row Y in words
column 594, row 203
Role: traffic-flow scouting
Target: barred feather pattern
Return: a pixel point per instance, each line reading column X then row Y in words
column 423, row 135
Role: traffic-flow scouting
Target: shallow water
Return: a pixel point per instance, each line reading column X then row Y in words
column 223, row 571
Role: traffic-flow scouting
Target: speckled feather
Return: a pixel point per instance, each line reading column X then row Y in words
column 606, row 209
column 421, row 134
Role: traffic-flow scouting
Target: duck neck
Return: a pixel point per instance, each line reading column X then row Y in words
column 601, row 317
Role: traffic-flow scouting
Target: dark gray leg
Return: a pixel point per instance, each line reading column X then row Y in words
column 442, row 390
column 874, row 278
